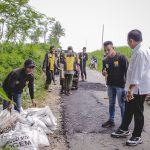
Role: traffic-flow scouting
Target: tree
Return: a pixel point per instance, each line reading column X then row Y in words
column 46, row 24
column 57, row 31
column 20, row 23
column 11, row 12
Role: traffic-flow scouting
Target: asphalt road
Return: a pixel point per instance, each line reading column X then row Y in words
column 86, row 110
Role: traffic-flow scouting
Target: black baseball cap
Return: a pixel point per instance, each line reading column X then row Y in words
column 29, row 63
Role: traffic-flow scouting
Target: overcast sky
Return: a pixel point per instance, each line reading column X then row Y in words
column 83, row 20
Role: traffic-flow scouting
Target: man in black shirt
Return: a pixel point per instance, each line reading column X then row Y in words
column 15, row 82
column 114, row 69
column 83, row 56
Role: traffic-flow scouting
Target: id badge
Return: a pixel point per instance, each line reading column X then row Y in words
column 116, row 63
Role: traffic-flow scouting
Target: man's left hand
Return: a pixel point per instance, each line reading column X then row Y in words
column 129, row 96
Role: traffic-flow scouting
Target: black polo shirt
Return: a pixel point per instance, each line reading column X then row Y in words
column 116, row 68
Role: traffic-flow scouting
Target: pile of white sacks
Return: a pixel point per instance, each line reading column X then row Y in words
column 27, row 130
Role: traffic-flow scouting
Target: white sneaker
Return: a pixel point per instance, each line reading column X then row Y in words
column 133, row 141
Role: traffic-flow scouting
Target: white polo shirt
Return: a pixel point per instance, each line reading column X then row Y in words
column 139, row 70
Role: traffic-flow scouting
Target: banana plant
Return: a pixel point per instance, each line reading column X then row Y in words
column 3, row 96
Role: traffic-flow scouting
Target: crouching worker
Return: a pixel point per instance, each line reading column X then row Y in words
column 15, row 82
column 69, row 67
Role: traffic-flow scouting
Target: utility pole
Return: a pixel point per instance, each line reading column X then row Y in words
column 86, row 43
column 102, row 36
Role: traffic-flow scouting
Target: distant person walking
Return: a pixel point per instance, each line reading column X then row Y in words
column 138, row 86
column 83, row 57
column 93, row 62
column 62, row 76
column 49, row 66
column 69, row 69
column 114, row 69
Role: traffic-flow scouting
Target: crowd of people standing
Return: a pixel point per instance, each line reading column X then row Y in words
column 129, row 82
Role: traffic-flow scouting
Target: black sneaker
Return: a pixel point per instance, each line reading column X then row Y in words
column 108, row 124
column 120, row 133
column 62, row 92
column 133, row 141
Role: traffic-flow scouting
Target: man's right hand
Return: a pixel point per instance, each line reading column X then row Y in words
column 104, row 72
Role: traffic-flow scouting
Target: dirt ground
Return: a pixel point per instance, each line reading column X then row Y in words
column 57, row 139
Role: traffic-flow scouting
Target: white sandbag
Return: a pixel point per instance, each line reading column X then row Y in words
column 31, row 127
column 17, row 139
column 45, row 115
column 41, row 124
column 23, row 112
column 4, row 139
column 50, row 120
column 39, row 137
column 37, row 134
column 34, row 121
column 8, row 120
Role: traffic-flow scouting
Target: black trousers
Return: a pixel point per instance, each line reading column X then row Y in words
column 62, row 83
column 134, row 108
column 50, row 76
column 83, row 71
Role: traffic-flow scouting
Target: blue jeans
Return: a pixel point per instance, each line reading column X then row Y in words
column 114, row 91
column 16, row 99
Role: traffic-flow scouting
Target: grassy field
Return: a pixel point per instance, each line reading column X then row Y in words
column 100, row 53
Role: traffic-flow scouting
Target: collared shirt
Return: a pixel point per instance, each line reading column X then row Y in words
column 139, row 70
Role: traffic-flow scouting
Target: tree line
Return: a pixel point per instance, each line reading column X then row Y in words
column 20, row 23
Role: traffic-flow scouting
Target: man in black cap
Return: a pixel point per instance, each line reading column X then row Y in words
column 15, row 82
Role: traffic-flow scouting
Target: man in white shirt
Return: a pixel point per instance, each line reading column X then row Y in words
column 138, row 86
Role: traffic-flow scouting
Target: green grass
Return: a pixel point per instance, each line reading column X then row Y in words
column 8, row 148
column 100, row 53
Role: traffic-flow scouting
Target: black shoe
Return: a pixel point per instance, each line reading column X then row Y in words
column 70, row 93
column 46, row 86
column 82, row 79
column 62, row 92
column 133, row 141
column 120, row 133
column 108, row 124
column 67, row 93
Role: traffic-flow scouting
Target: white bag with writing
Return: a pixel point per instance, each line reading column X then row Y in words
column 15, row 139
column 37, row 134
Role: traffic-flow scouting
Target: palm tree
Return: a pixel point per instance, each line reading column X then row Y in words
column 57, row 31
